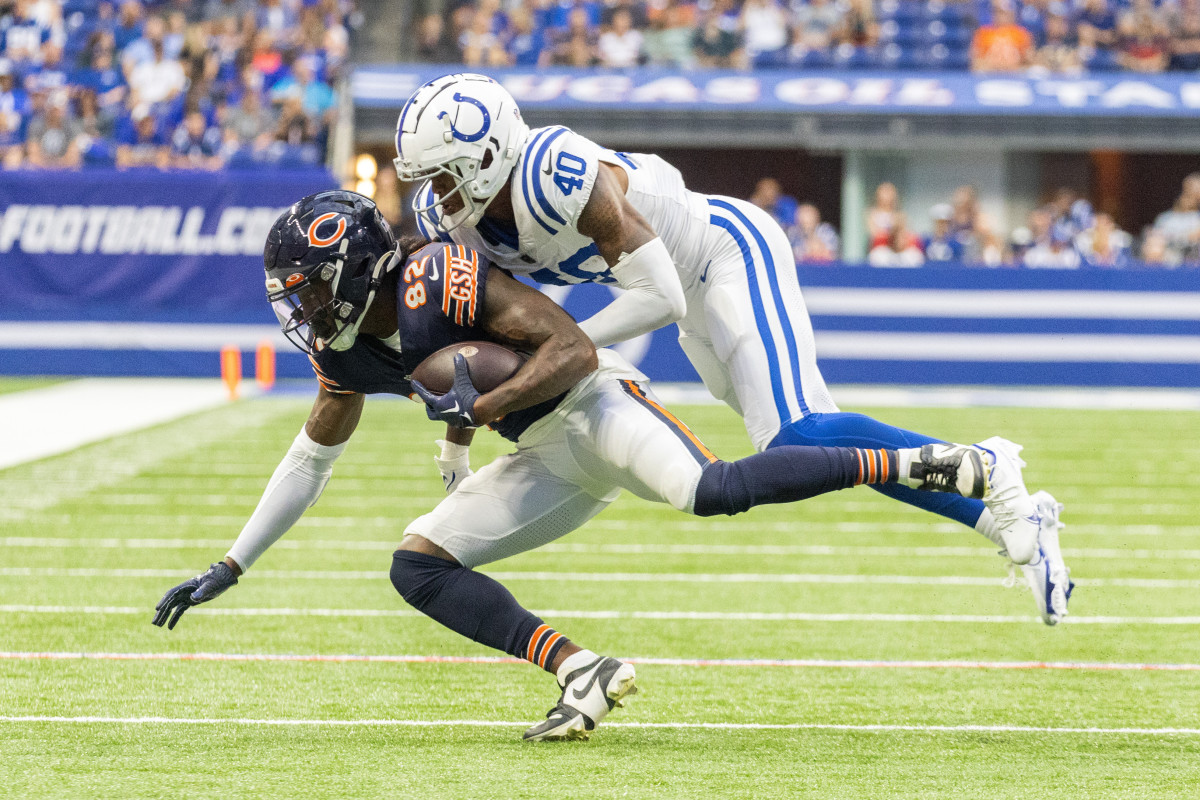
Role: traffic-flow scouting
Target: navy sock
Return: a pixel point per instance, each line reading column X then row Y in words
column 470, row 603
column 786, row 474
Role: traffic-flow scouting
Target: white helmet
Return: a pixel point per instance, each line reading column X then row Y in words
column 468, row 127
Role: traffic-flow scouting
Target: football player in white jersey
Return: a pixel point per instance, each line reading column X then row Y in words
column 558, row 208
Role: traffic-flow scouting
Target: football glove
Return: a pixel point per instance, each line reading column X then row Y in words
column 197, row 590
column 456, row 407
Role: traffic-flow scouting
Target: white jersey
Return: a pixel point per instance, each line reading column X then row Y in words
column 746, row 330
column 551, row 184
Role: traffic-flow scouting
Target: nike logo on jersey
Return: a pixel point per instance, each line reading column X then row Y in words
column 548, row 170
column 433, row 270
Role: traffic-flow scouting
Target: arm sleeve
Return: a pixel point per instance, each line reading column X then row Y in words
column 297, row 483
column 653, row 297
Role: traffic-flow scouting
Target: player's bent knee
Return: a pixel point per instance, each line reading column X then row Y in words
column 418, row 576
column 721, row 490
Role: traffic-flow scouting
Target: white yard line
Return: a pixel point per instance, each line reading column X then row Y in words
column 685, row 616
column 714, row 726
column 748, row 663
column 600, row 577
column 389, row 545
column 56, row 419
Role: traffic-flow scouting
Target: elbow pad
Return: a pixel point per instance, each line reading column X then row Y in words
column 653, row 297
column 297, row 483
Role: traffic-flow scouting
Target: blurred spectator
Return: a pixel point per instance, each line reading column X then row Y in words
column 1104, row 244
column 275, row 16
column 1033, row 14
column 858, row 28
column 716, row 42
column 129, row 24
column 1156, row 250
column 1058, row 54
column 434, row 43
column 158, row 80
column 881, row 216
column 1143, row 39
column 815, row 23
column 941, row 246
column 964, row 206
column 768, row 195
column 316, row 96
column 576, row 45
column 479, row 43
column 228, row 9
column 26, row 32
column 1096, row 22
column 525, row 42
column 196, row 145
column 1185, row 49
column 141, row 143
column 97, row 121
column 621, row 46
column 15, row 110
column 294, row 127
column 900, row 248
column 1055, row 253
column 101, row 75
column 1180, row 226
column 246, row 123
column 53, row 138
column 1002, row 45
column 813, row 241
column 986, row 247
column 636, row 9
column 668, row 42
column 764, row 26
column 141, row 50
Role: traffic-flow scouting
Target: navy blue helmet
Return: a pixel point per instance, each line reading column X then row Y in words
column 326, row 257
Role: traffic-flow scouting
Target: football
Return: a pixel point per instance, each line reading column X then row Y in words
column 490, row 364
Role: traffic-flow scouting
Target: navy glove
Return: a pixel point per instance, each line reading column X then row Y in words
column 200, row 589
column 456, row 407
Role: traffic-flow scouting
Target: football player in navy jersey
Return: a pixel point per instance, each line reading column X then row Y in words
column 368, row 310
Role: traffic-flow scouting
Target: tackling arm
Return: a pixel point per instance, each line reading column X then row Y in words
column 639, row 261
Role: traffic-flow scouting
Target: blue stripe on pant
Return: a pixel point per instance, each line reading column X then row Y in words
column 858, row 430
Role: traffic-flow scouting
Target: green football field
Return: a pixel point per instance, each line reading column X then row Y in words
column 845, row 647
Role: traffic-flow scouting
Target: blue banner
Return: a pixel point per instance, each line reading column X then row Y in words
column 139, row 242
column 1108, row 94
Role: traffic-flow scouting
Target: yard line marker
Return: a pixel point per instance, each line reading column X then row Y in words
column 718, row 726
column 602, row 577
column 716, row 616
column 889, row 551
column 795, row 663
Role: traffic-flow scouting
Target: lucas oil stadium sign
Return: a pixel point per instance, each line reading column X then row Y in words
column 1114, row 95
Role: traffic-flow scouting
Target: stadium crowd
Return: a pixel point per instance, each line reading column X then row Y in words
column 1037, row 36
column 1064, row 233
column 169, row 84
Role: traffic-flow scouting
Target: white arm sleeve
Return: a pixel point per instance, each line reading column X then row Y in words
column 653, row 297
column 297, row 483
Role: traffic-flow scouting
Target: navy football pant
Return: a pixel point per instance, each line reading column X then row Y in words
column 842, row 429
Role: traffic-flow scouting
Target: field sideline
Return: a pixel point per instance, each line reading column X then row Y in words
column 846, row 647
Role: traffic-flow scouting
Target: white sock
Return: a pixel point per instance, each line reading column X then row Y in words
column 572, row 663
column 904, row 460
column 986, row 525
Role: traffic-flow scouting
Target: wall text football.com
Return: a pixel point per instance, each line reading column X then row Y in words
column 123, row 230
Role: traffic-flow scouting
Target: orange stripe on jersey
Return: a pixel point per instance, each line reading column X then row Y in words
column 637, row 392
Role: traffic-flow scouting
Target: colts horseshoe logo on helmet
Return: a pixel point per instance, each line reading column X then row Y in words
column 314, row 237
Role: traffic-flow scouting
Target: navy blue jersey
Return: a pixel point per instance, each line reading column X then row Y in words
column 439, row 298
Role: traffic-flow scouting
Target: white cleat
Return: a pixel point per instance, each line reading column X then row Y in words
column 1016, row 515
column 589, row 694
column 1049, row 578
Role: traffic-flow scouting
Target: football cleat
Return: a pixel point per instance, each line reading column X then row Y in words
column 953, row 468
column 589, row 694
column 1017, row 516
column 1049, row 578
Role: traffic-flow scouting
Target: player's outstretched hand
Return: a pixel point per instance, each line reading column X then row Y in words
column 456, row 407
column 192, row 592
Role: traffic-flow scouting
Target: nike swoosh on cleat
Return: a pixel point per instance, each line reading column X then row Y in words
column 579, row 695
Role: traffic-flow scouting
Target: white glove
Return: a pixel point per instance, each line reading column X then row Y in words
column 454, row 464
